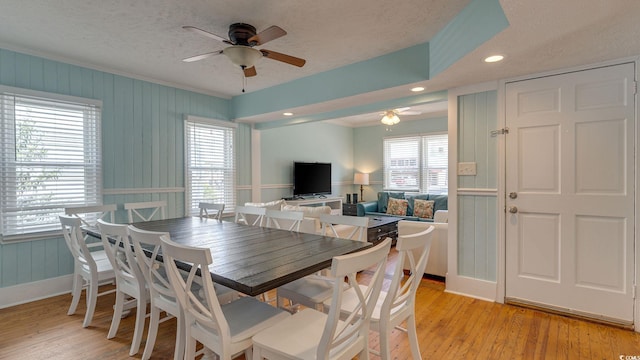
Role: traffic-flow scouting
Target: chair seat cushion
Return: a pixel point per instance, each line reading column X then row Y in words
column 225, row 294
column 305, row 326
column 248, row 316
column 308, row 291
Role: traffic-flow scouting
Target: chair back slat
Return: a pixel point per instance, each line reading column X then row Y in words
column 355, row 225
column 72, row 232
column 120, row 252
column 250, row 215
column 286, row 220
column 355, row 327
column 89, row 215
column 151, row 208
column 216, row 210
column 147, row 246
column 201, row 308
column 402, row 292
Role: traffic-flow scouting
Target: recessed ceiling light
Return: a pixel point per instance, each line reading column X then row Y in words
column 417, row 89
column 493, row 58
column 287, row 114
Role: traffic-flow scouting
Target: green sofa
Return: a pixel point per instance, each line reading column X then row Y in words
column 379, row 207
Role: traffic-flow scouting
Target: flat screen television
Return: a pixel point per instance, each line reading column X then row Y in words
column 311, row 178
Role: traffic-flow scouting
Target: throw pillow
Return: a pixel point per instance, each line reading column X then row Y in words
column 383, row 199
column 397, row 206
column 412, row 198
column 423, row 208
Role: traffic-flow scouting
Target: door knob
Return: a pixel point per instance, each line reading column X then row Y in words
column 513, row 209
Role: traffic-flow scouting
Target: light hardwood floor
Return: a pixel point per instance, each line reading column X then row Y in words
column 449, row 327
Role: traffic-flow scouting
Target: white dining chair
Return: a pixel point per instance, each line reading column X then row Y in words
column 312, row 334
column 161, row 294
column 250, row 215
column 88, row 272
column 147, row 247
column 398, row 303
column 145, row 211
column 224, row 329
column 89, row 215
column 130, row 282
column 345, row 227
column 285, row 220
column 313, row 290
column 215, row 209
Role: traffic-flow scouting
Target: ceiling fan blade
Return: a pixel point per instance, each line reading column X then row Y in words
column 292, row 60
column 207, row 34
column 268, row 34
column 202, row 56
column 406, row 111
column 249, row 72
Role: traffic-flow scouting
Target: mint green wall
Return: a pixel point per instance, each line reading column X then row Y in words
column 475, row 24
column 312, row 142
column 368, row 147
column 477, row 222
column 143, row 133
column 142, row 137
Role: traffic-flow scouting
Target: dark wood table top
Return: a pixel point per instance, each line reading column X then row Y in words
column 254, row 259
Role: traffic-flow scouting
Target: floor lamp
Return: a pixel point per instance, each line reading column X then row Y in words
column 361, row 179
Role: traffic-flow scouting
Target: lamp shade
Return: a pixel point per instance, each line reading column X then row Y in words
column 243, row 56
column 361, row 179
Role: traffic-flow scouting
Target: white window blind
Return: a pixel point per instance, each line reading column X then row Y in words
column 402, row 163
column 50, row 158
column 416, row 163
column 435, row 158
column 210, row 162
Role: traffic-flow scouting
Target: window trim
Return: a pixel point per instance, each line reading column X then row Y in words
column 22, row 92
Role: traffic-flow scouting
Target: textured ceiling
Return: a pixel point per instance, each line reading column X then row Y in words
column 144, row 38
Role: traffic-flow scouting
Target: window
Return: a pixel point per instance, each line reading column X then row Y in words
column 210, row 161
column 50, row 158
column 416, row 163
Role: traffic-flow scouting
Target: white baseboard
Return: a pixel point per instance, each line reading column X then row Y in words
column 37, row 290
column 475, row 288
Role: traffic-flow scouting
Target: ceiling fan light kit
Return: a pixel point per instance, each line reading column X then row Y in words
column 243, row 56
column 243, row 38
column 390, row 118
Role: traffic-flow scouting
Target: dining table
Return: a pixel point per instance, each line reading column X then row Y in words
column 252, row 259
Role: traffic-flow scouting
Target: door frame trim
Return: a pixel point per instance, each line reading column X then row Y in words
column 501, row 231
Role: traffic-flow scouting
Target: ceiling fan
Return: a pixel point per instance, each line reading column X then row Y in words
column 390, row 117
column 243, row 38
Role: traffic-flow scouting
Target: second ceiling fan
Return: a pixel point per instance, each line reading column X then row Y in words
column 243, row 38
column 390, row 117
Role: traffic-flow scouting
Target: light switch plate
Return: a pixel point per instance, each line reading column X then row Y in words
column 467, row 168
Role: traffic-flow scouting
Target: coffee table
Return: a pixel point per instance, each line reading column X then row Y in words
column 381, row 227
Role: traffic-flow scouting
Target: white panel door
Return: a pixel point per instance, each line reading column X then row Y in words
column 570, row 192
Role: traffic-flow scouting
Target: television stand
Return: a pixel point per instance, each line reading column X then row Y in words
column 335, row 203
